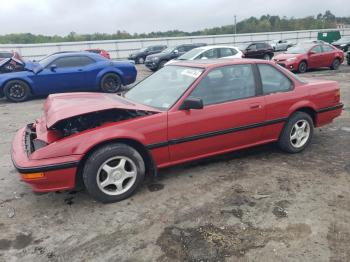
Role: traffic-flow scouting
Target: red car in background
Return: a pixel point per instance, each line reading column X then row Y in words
column 101, row 52
column 304, row 56
column 183, row 112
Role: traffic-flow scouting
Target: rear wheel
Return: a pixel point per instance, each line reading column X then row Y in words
column 302, row 67
column 335, row 65
column 113, row 172
column 297, row 133
column 110, row 83
column 141, row 60
column 162, row 64
column 17, row 91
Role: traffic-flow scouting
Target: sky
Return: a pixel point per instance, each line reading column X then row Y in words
column 50, row 17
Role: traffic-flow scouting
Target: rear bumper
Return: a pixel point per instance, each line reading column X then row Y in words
column 326, row 115
column 57, row 173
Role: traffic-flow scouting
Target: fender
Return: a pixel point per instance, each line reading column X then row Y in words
column 301, row 104
column 6, row 78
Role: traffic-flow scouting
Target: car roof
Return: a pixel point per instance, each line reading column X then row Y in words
column 207, row 47
column 212, row 63
column 78, row 53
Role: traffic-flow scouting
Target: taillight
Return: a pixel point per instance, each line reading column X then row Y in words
column 337, row 95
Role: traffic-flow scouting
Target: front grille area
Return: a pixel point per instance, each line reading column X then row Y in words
column 29, row 136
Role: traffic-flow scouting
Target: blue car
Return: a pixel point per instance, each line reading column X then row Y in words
column 67, row 72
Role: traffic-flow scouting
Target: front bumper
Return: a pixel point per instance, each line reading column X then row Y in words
column 57, row 173
column 292, row 66
column 151, row 64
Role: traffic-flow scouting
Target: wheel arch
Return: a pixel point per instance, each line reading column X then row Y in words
column 29, row 83
column 150, row 165
column 102, row 73
column 308, row 110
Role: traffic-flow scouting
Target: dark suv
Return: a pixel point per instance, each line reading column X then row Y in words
column 343, row 43
column 257, row 50
column 140, row 56
column 154, row 62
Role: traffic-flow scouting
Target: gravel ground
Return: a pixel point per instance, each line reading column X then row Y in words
column 253, row 205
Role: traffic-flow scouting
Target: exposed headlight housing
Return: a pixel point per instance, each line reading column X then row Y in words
column 291, row 59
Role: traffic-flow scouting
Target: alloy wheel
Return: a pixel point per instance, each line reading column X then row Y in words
column 300, row 133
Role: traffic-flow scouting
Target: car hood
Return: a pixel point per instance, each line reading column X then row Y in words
column 285, row 56
column 63, row 106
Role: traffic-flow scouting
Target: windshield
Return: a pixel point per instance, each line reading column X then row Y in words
column 162, row 89
column 243, row 46
column 168, row 50
column 343, row 40
column 47, row 60
column 143, row 49
column 298, row 49
column 191, row 54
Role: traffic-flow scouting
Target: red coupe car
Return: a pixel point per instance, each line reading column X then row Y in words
column 101, row 52
column 310, row 55
column 185, row 111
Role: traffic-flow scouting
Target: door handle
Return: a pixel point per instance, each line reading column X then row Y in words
column 256, row 106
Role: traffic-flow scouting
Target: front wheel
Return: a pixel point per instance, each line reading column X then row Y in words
column 17, row 91
column 302, row 67
column 267, row 57
column 297, row 133
column 335, row 65
column 141, row 60
column 110, row 83
column 113, row 172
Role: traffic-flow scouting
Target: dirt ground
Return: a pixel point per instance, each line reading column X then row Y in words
column 253, row 205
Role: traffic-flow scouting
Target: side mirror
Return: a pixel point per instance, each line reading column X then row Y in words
column 192, row 103
column 312, row 52
column 204, row 57
column 53, row 67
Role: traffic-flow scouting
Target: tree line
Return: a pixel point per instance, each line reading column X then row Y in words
column 266, row 23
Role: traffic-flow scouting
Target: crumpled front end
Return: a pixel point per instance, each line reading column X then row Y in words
column 42, row 174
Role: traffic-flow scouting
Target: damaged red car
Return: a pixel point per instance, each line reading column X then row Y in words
column 185, row 111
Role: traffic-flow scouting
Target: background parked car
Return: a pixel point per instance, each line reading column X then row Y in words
column 281, row 45
column 140, row 56
column 343, row 43
column 156, row 61
column 67, row 72
column 309, row 55
column 260, row 50
column 348, row 57
column 101, row 52
column 210, row 52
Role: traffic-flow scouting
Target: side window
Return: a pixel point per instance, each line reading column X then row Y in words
column 227, row 83
column 273, row 80
column 72, row 61
column 260, row 46
column 317, row 49
column 224, row 52
column 210, row 54
column 327, row 48
column 252, row 47
column 188, row 48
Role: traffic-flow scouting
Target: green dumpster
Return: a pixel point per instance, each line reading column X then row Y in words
column 328, row 36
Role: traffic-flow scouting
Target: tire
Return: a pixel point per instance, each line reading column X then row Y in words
column 141, row 60
column 17, row 91
column 266, row 57
column 335, row 65
column 161, row 64
column 292, row 140
column 302, row 67
column 110, row 83
column 126, row 171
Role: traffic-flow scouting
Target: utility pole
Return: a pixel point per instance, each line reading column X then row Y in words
column 235, row 25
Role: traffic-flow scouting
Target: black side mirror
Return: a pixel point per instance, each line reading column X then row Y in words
column 192, row 103
column 53, row 67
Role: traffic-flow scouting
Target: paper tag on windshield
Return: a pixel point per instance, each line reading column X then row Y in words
column 191, row 73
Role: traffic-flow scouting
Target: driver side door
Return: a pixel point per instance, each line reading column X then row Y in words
column 231, row 109
column 315, row 57
column 69, row 73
